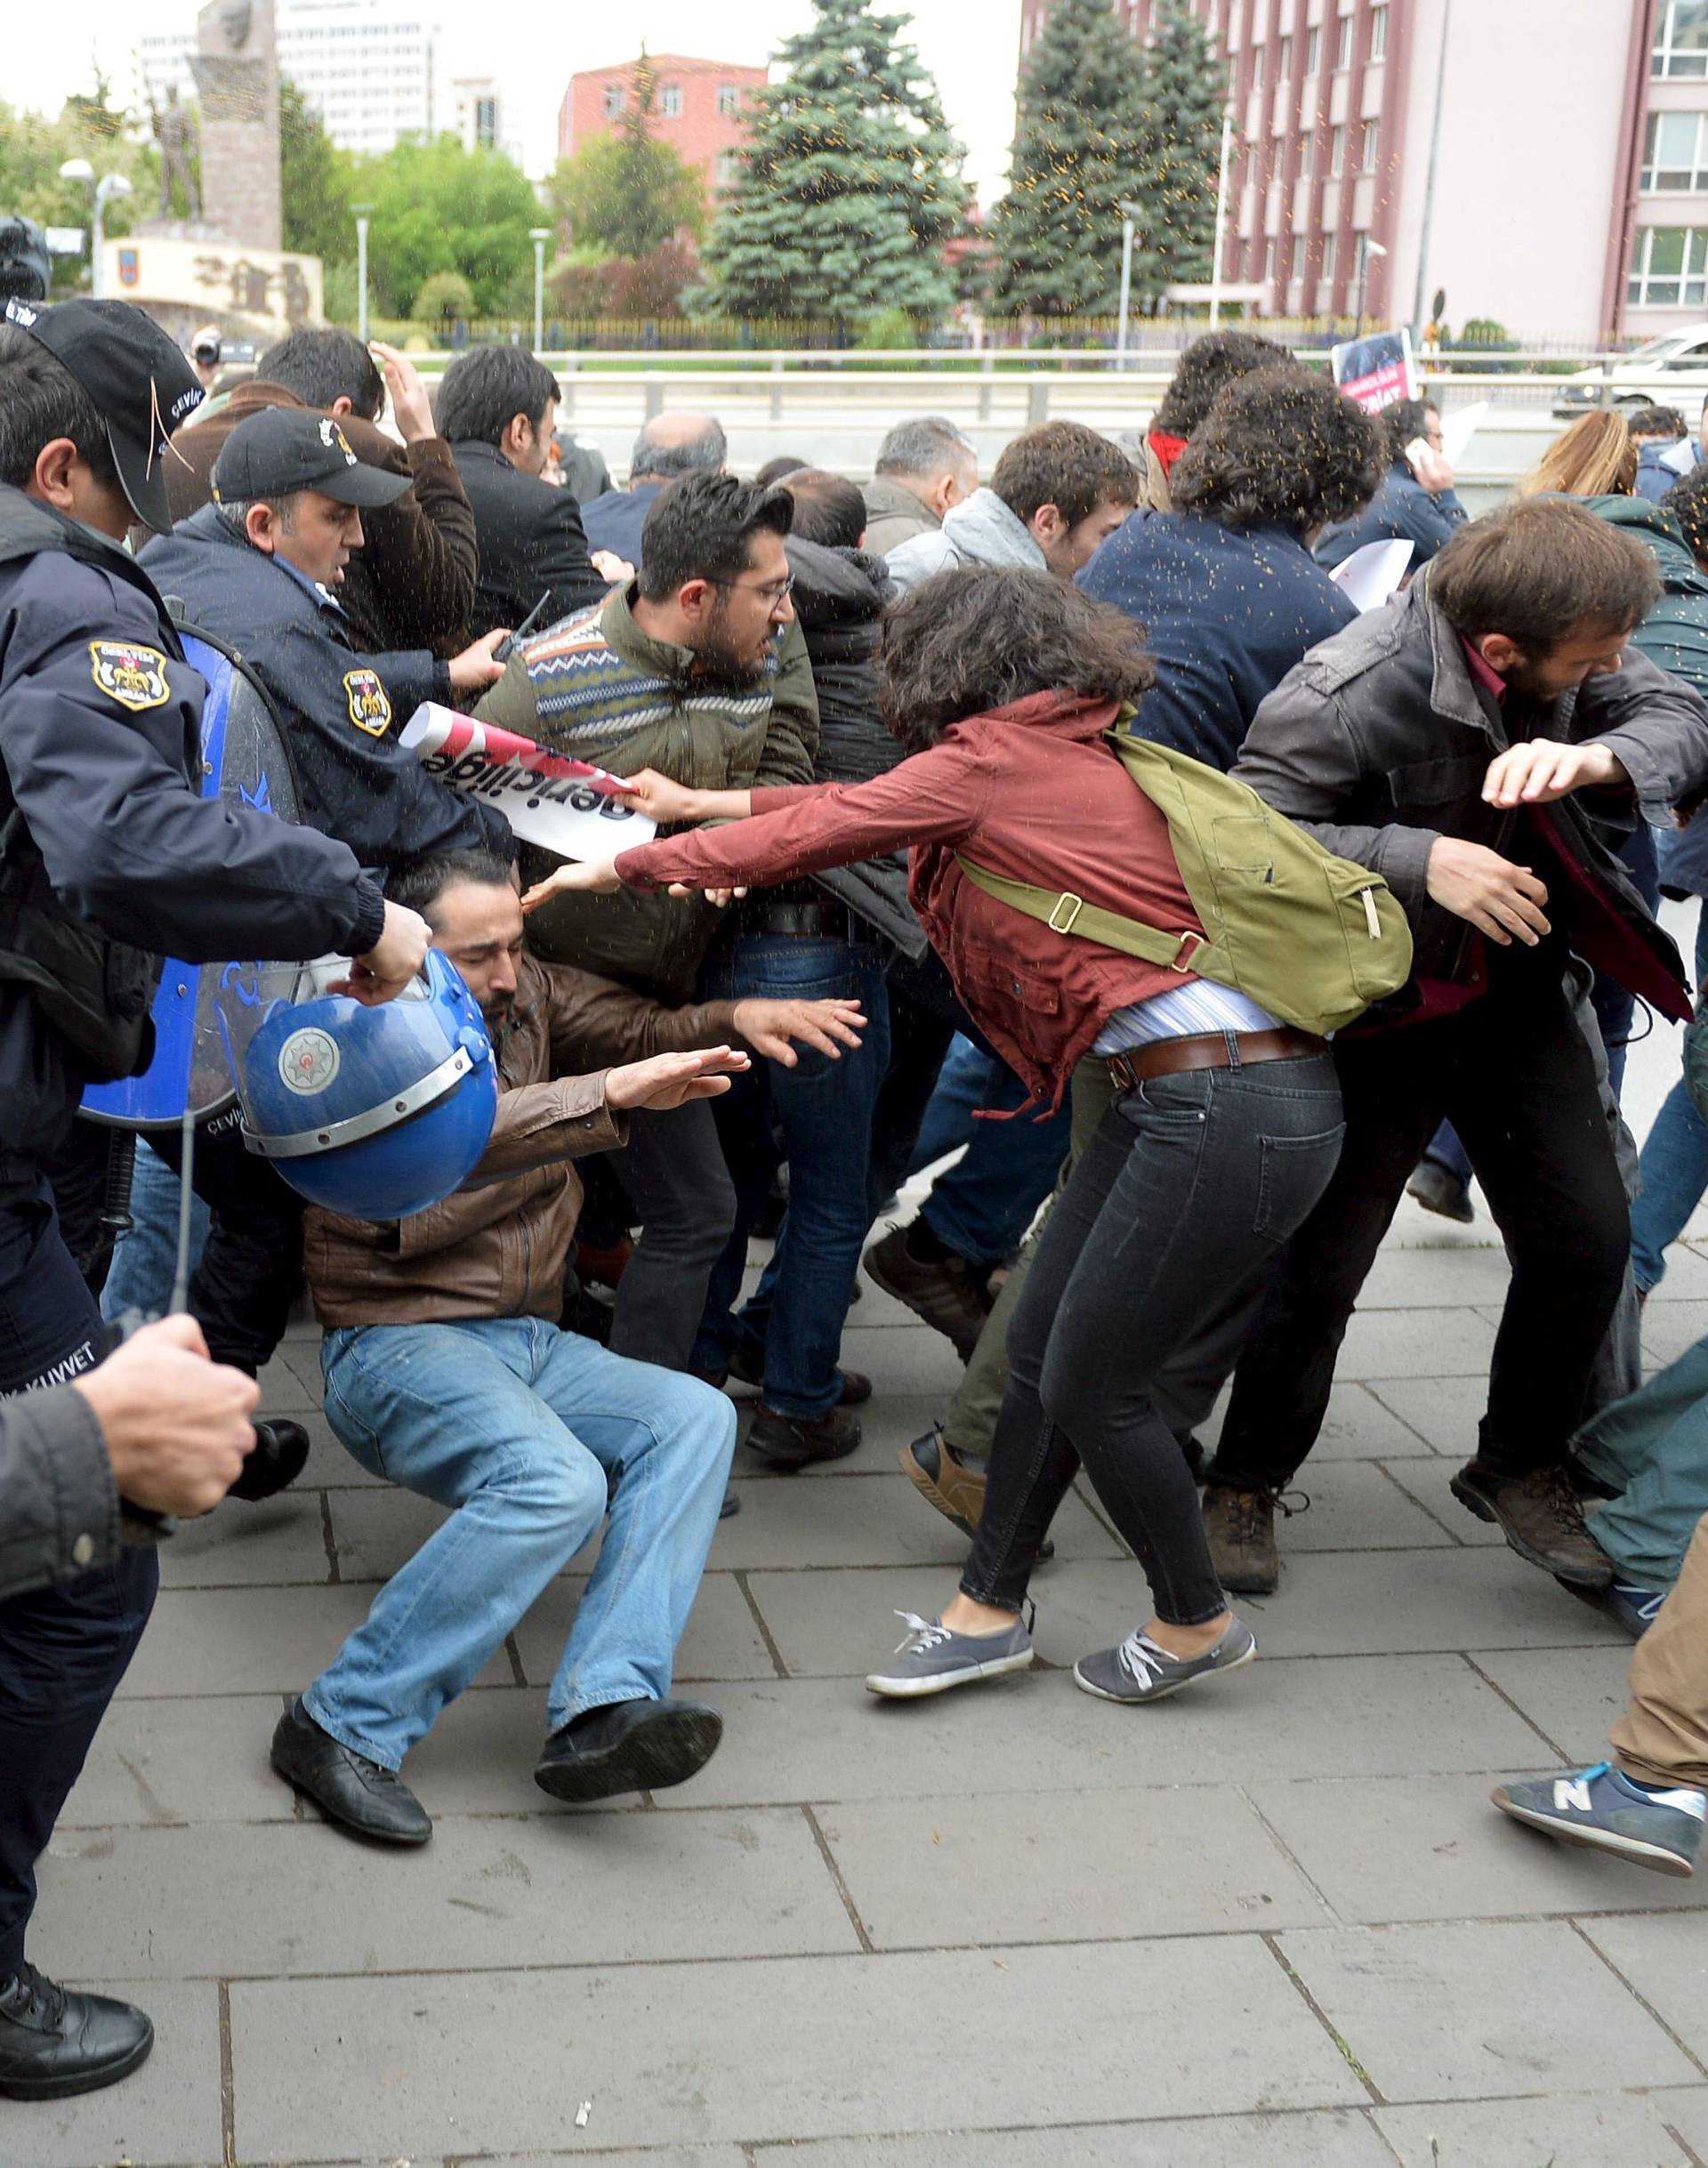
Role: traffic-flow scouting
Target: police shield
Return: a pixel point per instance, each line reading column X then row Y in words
column 245, row 761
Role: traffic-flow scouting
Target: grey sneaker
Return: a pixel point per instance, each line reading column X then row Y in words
column 1604, row 1810
column 1138, row 1670
column 932, row 1658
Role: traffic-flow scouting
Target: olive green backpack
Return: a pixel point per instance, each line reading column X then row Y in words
column 1311, row 938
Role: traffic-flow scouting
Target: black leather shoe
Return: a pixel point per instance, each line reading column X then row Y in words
column 628, row 1747
column 747, row 1367
column 281, row 1452
column 54, row 2042
column 345, row 1785
column 793, row 1441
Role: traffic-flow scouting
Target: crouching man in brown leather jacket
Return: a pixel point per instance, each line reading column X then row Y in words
column 447, row 1372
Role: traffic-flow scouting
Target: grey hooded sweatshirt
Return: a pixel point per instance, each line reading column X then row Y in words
column 980, row 531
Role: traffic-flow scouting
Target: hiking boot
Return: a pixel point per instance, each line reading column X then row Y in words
column 931, row 1657
column 747, row 1367
column 1542, row 1519
column 945, row 1293
column 793, row 1441
column 1607, row 1812
column 1440, row 1190
column 1142, row 1670
column 1239, row 1526
column 953, row 1483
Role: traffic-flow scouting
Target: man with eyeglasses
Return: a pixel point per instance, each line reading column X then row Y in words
column 1416, row 502
column 698, row 669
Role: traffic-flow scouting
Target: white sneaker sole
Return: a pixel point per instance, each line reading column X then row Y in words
column 1591, row 1840
column 1162, row 1693
column 911, row 1690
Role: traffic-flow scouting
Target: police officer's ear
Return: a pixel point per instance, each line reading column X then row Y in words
column 261, row 524
column 61, row 478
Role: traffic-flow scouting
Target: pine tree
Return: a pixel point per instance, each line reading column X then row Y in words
column 1076, row 154
column 1180, row 150
column 850, row 184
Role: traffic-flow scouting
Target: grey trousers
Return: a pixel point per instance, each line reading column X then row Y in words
column 673, row 1169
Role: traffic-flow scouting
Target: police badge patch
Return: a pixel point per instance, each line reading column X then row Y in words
column 135, row 677
column 370, row 709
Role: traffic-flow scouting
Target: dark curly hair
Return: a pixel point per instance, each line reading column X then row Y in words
column 1687, row 502
column 1401, row 420
column 1205, row 369
column 965, row 642
column 1066, row 465
column 1280, row 448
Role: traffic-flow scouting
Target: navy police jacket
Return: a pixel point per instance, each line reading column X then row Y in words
column 99, row 734
column 341, row 709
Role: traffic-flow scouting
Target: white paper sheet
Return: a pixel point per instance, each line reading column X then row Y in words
column 1372, row 574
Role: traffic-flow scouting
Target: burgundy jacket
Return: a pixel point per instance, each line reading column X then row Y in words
column 1029, row 792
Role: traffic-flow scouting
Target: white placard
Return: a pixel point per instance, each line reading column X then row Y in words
column 548, row 798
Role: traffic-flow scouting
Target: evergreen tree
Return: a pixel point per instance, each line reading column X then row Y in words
column 627, row 193
column 314, row 182
column 1179, row 155
column 850, row 184
column 1077, row 152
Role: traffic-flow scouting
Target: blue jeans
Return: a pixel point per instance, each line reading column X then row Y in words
column 144, row 1260
column 983, row 1205
column 821, row 1111
column 1674, row 1165
column 520, row 1427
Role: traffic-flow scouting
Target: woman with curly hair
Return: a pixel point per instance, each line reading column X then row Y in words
column 1225, row 1127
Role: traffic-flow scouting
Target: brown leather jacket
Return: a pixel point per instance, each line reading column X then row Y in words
column 497, row 1248
column 411, row 585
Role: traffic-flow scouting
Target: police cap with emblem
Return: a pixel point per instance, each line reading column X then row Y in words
column 283, row 449
column 139, row 383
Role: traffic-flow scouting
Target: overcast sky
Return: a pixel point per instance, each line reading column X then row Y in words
column 971, row 46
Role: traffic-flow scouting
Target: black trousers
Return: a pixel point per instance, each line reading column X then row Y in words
column 1513, row 1073
column 63, row 1650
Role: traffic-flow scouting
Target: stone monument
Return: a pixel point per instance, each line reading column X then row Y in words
column 176, row 133
column 236, row 66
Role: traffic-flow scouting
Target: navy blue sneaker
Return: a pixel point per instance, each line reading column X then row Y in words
column 1636, row 1609
column 1603, row 1809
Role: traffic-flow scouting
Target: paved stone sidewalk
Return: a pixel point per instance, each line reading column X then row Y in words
column 1272, row 1922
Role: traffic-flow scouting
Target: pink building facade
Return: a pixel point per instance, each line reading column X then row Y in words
column 699, row 107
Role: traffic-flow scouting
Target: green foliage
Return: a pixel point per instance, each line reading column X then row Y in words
column 850, row 185
column 890, row 331
column 441, row 299
column 32, row 150
column 438, row 207
column 315, row 182
column 626, row 192
column 1180, row 153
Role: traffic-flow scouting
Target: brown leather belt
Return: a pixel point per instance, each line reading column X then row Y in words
column 1172, row 1056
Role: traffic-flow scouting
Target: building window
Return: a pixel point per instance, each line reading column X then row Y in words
column 1314, row 52
column 670, row 101
column 1328, row 259
column 1674, row 154
column 1336, row 152
column 1284, row 70
column 616, row 99
column 1372, row 145
column 1669, row 267
column 1680, row 39
column 1269, row 260
column 1344, row 43
column 729, row 168
column 728, row 100
column 1307, row 142
column 1378, row 33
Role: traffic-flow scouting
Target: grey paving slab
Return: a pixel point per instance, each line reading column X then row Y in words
column 1357, row 1427
column 1432, row 1847
column 1670, row 1328
column 1687, row 2112
column 876, row 1519
column 239, row 1545
column 1627, row 2127
column 167, row 2115
column 918, row 1361
column 1063, row 1867
column 558, row 1889
column 1416, row 1344
column 652, row 2156
column 826, row 1739
column 721, row 1641
column 1570, row 1695
column 1354, row 1506
column 1454, row 2012
column 251, row 1641
column 1665, row 1959
column 1686, row 1278
column 282, row 1390
column 302, row 1357
column 1443, row 1412
column 328, row 1466
column 1342, row 2139
column 159, row 1761
column 1430, row 1482
column 1473, row 1271
column 774, row 2050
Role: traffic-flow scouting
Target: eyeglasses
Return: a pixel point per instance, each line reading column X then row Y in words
column 773, row 590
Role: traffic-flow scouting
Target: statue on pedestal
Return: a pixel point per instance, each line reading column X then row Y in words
column 176, row 133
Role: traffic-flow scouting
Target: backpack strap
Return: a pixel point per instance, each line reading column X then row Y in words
column 1063, row 912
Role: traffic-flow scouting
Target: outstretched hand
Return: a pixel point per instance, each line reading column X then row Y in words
column 574, row 877
column 772, row 1026
column 663, row 1081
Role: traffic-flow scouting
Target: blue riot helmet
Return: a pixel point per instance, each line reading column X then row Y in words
column 375, row 1113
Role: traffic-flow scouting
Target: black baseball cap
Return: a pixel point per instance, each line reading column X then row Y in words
column 141, row 385
column 283, row 449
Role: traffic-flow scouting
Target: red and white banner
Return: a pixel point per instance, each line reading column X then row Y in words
column 548, row 798
column 1377, row 371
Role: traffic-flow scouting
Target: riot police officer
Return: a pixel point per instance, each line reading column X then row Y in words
column 109, row 858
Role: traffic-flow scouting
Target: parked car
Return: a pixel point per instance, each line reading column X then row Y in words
column 1671, row 371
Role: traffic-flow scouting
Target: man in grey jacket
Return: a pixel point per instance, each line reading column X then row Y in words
column 924, row 468
column 1461, row 742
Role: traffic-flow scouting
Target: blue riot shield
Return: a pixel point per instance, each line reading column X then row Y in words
column 246, row 760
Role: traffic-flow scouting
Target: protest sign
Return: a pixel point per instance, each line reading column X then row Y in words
column 548, row 798
column 1376, row 371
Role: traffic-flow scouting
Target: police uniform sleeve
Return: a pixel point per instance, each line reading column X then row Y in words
column 59, row 1509
column 97, row 726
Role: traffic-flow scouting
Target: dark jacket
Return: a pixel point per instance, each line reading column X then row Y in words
column 1226, row 615
column 1401, row 511
column 59, row 1509
column 1379, row 742
column 531, row 541
column 341, row 708
column 839, row 598
column 411, row 585
column 614, row 520
column 101, row 787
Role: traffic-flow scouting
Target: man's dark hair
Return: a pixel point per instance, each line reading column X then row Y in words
column 701, row 527
column 965, row 642
column 776, row 470
column 1537, row 569
column 1066, row 465
column 418, row 883
column 324, row 366
column 925, row 447
column 1205, row 370
column 1281, row 448
column 483, row 391
column 828, row 509
column 1403, row 421
column 1687, row 502
column 1656, row 422
column 40, row 400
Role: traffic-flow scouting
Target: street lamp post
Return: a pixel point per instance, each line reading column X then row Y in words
column 539, row 236
column 1222, row 212
column 362, row 212
column 1130, row 212
column 103, row 191
column 1366, row 249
